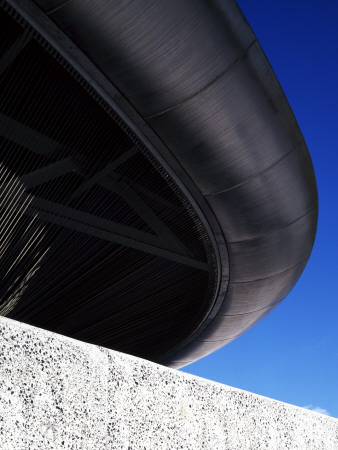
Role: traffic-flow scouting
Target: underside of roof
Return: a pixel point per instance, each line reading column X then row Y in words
column 157, row 195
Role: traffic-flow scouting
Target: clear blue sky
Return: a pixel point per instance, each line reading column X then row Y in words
column 292, row 355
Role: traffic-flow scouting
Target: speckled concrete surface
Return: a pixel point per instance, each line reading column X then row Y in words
column 58, row 393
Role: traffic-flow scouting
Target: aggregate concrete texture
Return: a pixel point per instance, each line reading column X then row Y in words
column 57, row 393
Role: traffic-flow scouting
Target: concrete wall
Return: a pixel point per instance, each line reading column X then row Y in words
column 57, row 393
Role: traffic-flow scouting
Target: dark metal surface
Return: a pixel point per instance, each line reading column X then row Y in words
column 97, row 240
column 199, row 83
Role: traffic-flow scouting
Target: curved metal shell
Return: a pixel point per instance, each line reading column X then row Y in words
column 194, row 83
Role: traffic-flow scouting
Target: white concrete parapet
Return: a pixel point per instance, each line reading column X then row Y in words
column 57, row 393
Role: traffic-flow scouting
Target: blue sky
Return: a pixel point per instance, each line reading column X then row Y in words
column 292, row 355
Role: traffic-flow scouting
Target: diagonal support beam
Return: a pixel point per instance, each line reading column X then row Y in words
column 38, row 143
column 135, row 201
column 44, row 174
column 138, row 188
column 47, row 173
column 8, row 57
column 145, row 212
column 110, row 167
column 76, row 220
column 26, row 137
column 165, row 245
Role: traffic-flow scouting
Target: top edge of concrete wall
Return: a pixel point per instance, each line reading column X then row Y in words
column 56, row 392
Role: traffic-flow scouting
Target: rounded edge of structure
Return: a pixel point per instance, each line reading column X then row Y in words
column 222, row 317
